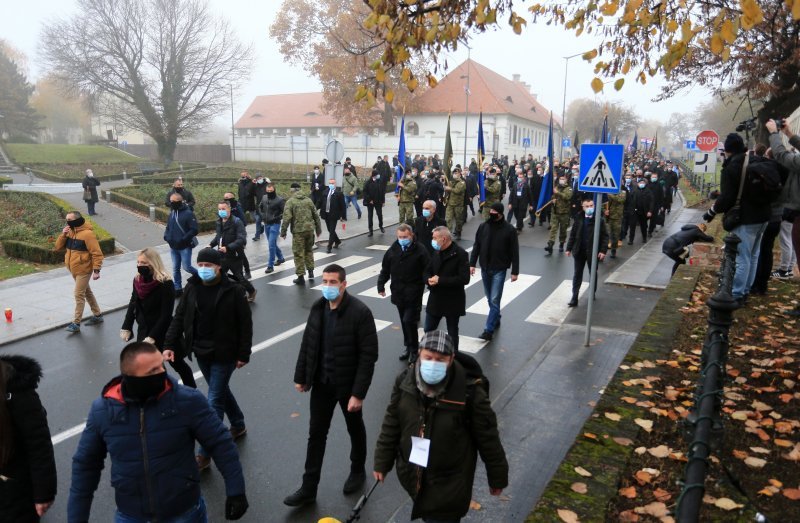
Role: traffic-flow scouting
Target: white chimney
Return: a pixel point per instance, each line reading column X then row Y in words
column 515, row 77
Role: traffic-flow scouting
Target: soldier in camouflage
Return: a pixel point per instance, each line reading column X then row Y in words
column 559, row 222
column 613, row 213
column 406, row 197
column 301, row 215
column 454, row 213
column 492, row 187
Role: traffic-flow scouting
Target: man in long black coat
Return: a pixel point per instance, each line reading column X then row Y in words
column 446, row 276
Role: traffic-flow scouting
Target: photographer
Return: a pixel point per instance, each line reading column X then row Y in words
column 750, row 219
column 790, row 197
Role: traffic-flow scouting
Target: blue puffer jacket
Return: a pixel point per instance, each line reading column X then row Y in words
column 181, row 228
column 153, row 472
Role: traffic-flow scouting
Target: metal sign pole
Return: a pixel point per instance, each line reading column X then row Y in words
column 594, row 262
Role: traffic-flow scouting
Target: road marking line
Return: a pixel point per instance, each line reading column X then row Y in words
column 510, row 291
column 344, row 262
column 289, row 265
column 554, row 308
column 379, row 247
column 77, row 429
column 364, row 274
column 465, row 343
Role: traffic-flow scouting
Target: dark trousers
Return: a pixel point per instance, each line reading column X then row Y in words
column 764, row 267
column 330, row 223
column 641, row 220
column 581, row 259
column 379, row 211
column 234, row 266
column 519, row 214
column 432, row 322
column 796, row 236
column 677, row 259
column 409, row 321
column 628, row 222
column 323, row 403
column 469, row 204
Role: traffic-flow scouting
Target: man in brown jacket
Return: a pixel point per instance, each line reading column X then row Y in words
column 83, row 259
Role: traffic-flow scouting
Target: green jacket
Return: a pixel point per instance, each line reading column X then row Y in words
column 492, row 189
column 616, row 205
column 458, row 427
column 350, row 184
column 301, row 214
column 408, row 192
column 458, row 188
column 563, row 198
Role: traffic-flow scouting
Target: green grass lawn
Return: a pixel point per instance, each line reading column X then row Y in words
column 12, row 267
column 23, row 153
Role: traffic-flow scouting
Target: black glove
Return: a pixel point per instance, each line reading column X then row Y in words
column 235, row 507
column 709, row 215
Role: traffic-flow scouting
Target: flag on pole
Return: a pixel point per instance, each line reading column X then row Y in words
column 448, row 152
column 546, row 193
column 401, row 156
column 481, row 154
column 635, row 143
column 655, row 143
column 604, row 137
column 575, row 142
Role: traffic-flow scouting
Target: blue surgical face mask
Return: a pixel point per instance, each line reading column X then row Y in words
column 435, row 245
column 223, row 214
column 332, row 186
column 404, row 242
column 330, row 292
column 589, row 212
column 641, row 186
column 206, row 273
column 432, row 372
column 426, row 213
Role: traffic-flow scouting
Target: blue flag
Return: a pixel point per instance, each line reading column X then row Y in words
column 546, row 193
column 635, row 143
column 605, row 138
column 481, row 154
column 401, row 156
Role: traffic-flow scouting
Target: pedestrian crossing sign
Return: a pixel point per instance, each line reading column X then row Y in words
column 601, row 168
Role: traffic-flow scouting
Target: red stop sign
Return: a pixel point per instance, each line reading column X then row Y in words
column 707, row 141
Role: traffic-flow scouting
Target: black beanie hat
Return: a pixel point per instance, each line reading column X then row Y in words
column 734, row 144
column 498, row 207
column 209, row 255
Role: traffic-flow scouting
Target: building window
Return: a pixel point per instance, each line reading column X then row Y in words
column 514, row 134
column 412, row 129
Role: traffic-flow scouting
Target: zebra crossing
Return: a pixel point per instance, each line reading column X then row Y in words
column 550, row 311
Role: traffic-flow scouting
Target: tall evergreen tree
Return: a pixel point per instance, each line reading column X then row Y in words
column 18, row 117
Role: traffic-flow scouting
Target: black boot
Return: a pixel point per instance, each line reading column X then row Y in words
column 561, row 247
column 573, row 302
column 613, row 253
column 549, row 248
column 302, row 496
column 310, row 274
column 299, row 280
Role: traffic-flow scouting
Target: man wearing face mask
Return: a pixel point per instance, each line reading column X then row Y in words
column 446, row 276
column 628, row 212
column 83, row 259
column 562, row 198
column 271, row 209
column 214, row 322
column 406, row 197
column 259, row 190
column 147, row 423
column 404, row 263
column 246, row 193
column 230, row 240
column 351, row 188
column 657, row 189
column 318, row 184
column 442, row 404
column 580, row 246
column 642, row 210
column 186, row 194
column 454, row 215
column 492, row 188
column 181, row 235
column 374, row 198
column 332, row 210
column 336, row 361
column 299, row 214
column 520, row 201
column 425, row 224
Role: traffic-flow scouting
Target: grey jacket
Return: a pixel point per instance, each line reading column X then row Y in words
column 790, row 197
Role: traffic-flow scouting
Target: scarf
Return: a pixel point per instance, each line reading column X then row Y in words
column 144, row 288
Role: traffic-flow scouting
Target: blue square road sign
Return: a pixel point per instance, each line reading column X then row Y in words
column 601, row 168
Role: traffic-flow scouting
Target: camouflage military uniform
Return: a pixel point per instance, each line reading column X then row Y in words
column 559, row 222
column 454, row 213
column 492, row 189
column 301, row 215
column 616, row 207
column 406, row 202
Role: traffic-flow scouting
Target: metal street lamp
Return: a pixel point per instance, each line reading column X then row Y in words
column 466, row 108
column 564, row 105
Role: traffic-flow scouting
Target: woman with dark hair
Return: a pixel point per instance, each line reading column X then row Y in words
column 151, row 304
column 27, row 465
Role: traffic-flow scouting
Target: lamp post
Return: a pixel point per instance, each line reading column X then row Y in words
column 564, row 106
column 466, row 108
column 233, row 132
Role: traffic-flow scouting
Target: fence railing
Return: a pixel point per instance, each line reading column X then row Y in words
column 704, row 425
column 698, row 181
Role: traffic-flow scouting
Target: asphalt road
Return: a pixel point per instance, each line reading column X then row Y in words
column 77, row 366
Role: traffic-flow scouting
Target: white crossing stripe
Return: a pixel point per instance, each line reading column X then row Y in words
column 465, row 343
column 289, row 265
column 344, row 262
column 379, row 247
column 364, row 274
column 510, row 291
column 554, row 308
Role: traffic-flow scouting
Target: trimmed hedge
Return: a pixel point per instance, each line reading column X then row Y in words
column 162, row 213
column 5, row 181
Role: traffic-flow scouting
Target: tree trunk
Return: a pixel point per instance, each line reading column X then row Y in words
column 388, row 119
column 166, row 149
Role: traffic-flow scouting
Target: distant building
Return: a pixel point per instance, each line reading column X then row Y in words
column 284, row 128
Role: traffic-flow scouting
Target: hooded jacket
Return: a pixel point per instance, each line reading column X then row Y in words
column 83, row 254
column 31, row 471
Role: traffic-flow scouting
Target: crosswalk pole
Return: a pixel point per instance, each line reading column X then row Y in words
column 593, row 271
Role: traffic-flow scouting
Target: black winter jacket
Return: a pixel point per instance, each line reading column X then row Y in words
column 373, row 193
column 405, row 270
column 642, row 201
column 499, row 259
column 575, row 243
column 31, row 471
column 152, row 314
column 232, row 235
column 423, row 231
column 688, row 234
column 246, row 194
column 452, row 267
column 522, row 202
column 337, row 205
column 233, row 323
column 751, row 212
column 354, row 346
column 271, row 209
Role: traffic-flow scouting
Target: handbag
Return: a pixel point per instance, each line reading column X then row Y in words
column 87, row 195
column 733, row 216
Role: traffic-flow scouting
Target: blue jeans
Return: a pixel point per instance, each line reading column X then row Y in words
column 197, row 514
column 272, row 231
column 747, row 257
column 493, row 282
column 181, row 257
column 259, row 224
column 220, row 397
column 90, row 205
column 354, row 200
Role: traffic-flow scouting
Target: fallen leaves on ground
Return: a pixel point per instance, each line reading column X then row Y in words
column 583, row 472
column 580, row 488
column 568, row 516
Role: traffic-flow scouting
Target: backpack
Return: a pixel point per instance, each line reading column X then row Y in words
column 764, row 182
column 475, row 376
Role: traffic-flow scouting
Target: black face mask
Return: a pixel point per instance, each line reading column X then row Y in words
column 271, row 195
column 176, row 205
column 74, row 224
column 145, row 272
column 495, row 217
column 143, row 387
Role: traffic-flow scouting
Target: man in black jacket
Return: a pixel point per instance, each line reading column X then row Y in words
column 446, row 275
column 520, row 200
column 404, row 263
column 215, row 323
column 271, row 210
column 579, row 246
column 336, row 361
column 642, row 203
column 374, row 198
column 231, row 239
column 259, row 190
column 332, row 210
column 425, row 224
column 497, row 249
